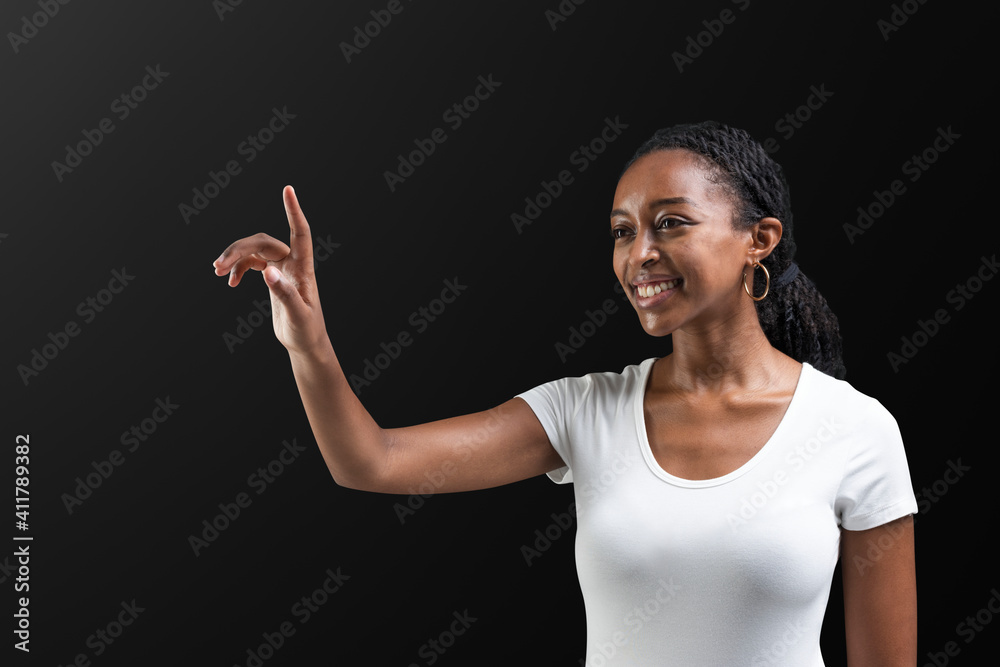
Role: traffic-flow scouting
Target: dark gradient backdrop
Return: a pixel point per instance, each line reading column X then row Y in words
column 113, row 310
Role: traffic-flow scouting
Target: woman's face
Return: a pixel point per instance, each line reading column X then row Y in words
column 673, row 229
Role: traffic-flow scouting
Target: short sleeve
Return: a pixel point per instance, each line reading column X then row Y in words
column 552, row 402
column 876, row 487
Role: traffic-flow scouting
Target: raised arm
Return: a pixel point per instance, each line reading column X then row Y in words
column 474, row 451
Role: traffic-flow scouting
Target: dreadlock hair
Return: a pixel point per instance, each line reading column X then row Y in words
column 795, row 317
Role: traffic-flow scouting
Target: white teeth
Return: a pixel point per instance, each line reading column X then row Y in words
column 652, row 290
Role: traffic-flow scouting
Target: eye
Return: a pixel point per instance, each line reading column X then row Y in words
column 618, row 232
column 670, row 222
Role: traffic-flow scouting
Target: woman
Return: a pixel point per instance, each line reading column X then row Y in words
column 715, row 486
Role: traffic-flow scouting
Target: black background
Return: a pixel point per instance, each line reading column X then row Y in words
column 163, row 334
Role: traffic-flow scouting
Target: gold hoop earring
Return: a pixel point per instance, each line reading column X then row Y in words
column 767, row 285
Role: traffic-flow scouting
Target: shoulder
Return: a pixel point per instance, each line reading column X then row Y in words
column 611, row 381
column 852, row 406
column 600, row 383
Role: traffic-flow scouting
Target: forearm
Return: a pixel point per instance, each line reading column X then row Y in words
column 351, row 442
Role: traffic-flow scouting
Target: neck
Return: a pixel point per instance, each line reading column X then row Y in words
column 731, row 355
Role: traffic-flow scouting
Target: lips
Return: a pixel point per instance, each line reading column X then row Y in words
column 651, row 290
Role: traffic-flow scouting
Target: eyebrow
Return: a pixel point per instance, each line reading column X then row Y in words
column 658, row 203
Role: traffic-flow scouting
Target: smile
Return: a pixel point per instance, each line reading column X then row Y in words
column 652, row 289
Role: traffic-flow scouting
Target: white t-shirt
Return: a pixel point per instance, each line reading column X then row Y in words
column 734, row 570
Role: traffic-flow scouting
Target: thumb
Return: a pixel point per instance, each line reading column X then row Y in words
column 272, row 275
column 277, row 283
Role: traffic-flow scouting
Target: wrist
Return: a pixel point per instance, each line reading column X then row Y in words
column 319, row 352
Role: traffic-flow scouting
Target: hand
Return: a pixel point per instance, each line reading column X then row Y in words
column 289, row 276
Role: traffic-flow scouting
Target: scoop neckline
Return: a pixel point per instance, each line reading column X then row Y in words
column 805, row 374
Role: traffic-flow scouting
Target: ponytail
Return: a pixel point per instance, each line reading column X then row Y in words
column 798, row 321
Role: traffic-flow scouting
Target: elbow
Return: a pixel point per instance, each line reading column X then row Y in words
column 369, row 473
column 352, row 483
column 357, row 481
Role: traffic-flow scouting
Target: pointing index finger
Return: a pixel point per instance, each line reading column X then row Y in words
column 301, row 240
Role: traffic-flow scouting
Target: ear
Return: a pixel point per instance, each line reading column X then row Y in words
column 764, row 237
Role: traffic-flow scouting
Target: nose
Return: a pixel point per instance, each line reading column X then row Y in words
column 645, row 249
